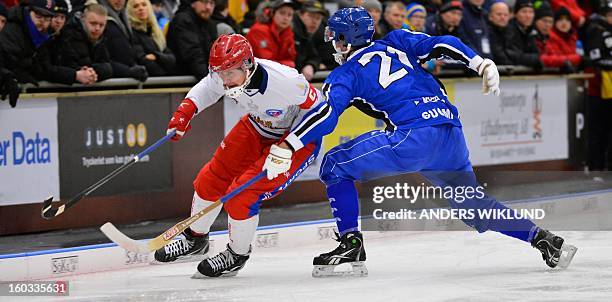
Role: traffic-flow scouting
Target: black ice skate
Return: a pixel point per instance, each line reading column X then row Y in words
column 189, row 248
column 225, row 264
column 350, row 251
column 554, row 251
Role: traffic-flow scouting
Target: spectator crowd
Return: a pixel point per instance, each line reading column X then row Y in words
column 87, row 42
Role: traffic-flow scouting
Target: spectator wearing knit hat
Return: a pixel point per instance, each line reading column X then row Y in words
column 3, row 16
column 522, row 44
column 560, row 50
column 446, row 21
column 499, row 17
column 374, row 8
column 543, row 22
column 415, row 17
column 577, row 14
column 61, row 13
column 22, row 40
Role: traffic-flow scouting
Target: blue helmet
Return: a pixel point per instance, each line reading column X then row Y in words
column 354, row 25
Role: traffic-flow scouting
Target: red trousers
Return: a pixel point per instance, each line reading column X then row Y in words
column 240, row 156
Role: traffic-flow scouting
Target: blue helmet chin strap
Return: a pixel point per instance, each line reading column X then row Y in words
column 340, row 55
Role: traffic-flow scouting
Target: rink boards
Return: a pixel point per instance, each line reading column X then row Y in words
column 589, row 210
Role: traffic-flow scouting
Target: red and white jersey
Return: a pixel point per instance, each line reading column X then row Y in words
column 282, row 97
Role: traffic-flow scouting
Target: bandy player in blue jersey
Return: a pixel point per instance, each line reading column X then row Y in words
column 384, row 79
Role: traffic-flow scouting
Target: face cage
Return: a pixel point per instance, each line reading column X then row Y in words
column 339, row 56
column 237, row 91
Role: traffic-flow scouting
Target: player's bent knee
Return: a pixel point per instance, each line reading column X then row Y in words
column 239, row 211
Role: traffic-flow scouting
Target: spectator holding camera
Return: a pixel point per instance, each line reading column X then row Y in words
column 149, row 41
column 191, row 34
column 272, row 37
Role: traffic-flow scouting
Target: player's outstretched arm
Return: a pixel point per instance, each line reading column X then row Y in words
column 425, row 47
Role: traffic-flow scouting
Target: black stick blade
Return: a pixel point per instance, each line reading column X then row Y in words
column 47, row 211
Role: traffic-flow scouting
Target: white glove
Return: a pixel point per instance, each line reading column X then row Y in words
column 490, row 77
column 277, row 162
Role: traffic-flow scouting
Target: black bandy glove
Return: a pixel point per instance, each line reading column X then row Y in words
column 10, row 87
column 13, row 90
column 138, row 72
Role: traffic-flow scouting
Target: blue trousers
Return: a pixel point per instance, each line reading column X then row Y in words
column 438, row 153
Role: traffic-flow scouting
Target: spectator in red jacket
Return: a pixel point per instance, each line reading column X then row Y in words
column 560, row 50
column 578, row 16
column 272, row 37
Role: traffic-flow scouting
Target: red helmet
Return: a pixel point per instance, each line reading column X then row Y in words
column 231, row 51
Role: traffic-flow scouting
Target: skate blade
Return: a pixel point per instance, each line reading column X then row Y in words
column 567, row 254
column 198, row 275
column 358, row 269
column 181, row 259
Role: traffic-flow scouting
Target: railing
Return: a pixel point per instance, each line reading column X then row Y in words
column 187, row 81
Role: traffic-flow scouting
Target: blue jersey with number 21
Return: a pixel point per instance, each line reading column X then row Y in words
column 386, row 81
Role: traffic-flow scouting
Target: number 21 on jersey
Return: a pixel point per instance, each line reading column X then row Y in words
column 385, row 77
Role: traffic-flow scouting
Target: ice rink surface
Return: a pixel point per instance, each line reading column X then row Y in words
column 433, row 266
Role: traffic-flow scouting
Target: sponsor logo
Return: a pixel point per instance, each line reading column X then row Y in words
column 298, row 172
column 274, row 112
column 267, row 195
column 326, row 232
column 429, row 99
column 135, row 258
column 64, row 265
column 437, row 112
column 169, row 234
column 25, row 149
column 130, row 135
column 257, row 119
column 266, row 240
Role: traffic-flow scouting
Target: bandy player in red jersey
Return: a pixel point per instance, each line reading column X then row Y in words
column 276, row 97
